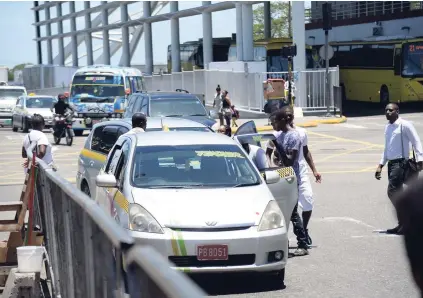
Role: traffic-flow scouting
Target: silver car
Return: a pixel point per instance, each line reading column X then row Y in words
column 104, row 135
column 199, row 200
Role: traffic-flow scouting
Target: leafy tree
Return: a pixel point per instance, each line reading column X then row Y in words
column 11, row 74
column 279, row 13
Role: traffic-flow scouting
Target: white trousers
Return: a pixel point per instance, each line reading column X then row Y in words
column 305, row 193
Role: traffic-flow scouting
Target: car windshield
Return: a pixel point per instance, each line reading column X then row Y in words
column 40, row 102
column 413, row 59
column 98, row 86
column 182, row 129
column 176, row 107
column 4, row 93
column 192, row 166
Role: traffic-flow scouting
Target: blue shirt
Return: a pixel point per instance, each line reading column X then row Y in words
column 288, row 142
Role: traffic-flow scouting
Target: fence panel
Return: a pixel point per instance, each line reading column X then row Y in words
column 86, row 246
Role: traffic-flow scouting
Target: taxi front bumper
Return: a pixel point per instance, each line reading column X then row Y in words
column 248, row 249
column 5, row 118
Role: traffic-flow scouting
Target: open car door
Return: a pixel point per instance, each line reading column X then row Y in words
column 282, row 183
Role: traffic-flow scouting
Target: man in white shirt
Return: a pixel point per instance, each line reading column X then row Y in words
column 37, row 142
column 399, row 133
column 139, row 123
column 305, row 191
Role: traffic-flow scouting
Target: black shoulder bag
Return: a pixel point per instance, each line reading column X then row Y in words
column 411, row 170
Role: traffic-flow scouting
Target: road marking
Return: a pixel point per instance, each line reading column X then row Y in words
column 348, row 125
column 343, row 153
column 347, row 219
column 346, row 140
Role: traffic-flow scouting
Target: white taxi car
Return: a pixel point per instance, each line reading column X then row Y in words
column 198, row 199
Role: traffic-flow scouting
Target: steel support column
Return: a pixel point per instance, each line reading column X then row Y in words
column 148, row 39
column 60, row 31
column 247, row 30
column 298, row 29
column 106, row 42
column 174, row 32
column 74, row 42
column 207, row 37
column 239, row 33
column 38, row 34
column 126, row 54
column 267, row 20
column 49, row 42
column 88, row 37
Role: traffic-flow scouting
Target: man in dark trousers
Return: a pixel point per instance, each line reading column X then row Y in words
column 399, row 133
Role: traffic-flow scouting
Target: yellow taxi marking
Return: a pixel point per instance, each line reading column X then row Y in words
column 93, row 155
column 121, row 201
column 165, row 128
column 174, row 244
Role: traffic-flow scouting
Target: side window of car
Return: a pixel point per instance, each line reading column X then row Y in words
column 124, row 157
column 122, row 131
column 144, row 105
column 113, row 160
column 104, row 138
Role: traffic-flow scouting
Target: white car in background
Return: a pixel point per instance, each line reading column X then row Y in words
column 8, row 98
column 27, row 106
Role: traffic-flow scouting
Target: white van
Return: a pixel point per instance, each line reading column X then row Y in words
column 8, row 97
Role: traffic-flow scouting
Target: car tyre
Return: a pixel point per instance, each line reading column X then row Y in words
column 25, row 127
column 85, row 189
column 14, row 128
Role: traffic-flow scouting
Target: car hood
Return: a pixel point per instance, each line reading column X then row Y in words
column 7, row 103
column 206, row 207
column 43, row 112
column 205, row 120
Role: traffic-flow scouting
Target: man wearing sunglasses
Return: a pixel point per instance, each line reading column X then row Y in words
column 399, row 133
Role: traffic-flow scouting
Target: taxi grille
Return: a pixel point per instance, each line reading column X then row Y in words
column 233, row 260
column 211, row 229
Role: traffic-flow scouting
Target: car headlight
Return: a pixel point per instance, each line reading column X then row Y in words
column 272, row 217
column 142, row 221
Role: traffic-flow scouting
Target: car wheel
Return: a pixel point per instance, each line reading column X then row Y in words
column 78, row 133
column 25, row 127
column 85, row 189
column 14, row 128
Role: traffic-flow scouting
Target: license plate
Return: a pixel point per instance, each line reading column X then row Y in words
column 212, row 252
column 96, row 121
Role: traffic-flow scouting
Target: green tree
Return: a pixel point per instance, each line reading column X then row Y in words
column 279, row 13
column 11, row 74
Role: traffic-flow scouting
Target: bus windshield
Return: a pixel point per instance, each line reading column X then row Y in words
column 413, row 60
column 98, row 85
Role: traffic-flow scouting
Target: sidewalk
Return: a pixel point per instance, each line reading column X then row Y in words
column 312, row 121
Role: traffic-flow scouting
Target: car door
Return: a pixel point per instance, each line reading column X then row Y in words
column 18, row 112
column 104, row 195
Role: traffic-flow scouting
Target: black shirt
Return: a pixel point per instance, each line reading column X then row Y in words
column 60, row 107
column 225, row 103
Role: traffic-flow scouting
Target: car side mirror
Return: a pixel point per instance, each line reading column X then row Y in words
column 271, row 177
column 106, row 180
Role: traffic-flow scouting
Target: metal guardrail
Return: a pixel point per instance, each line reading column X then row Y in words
column 89, row 252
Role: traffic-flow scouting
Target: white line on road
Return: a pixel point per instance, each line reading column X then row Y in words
column 348, row 219
column 348, row 125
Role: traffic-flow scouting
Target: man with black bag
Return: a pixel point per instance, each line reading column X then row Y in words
column 399, row 133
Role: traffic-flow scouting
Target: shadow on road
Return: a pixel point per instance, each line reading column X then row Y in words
column 229, row 284
column 360, row 109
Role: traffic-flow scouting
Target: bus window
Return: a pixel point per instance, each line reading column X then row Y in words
column 128, row 85
column 397, row 62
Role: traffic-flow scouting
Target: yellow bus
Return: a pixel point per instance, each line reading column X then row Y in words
column 269, row 50
column 380, row 69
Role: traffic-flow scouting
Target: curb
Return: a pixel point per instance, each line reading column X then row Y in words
column 343, row 119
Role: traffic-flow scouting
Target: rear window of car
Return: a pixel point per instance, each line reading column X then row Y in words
column 176, row 107
column 192, row 166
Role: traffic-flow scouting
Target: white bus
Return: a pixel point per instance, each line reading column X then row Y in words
column 99, row 92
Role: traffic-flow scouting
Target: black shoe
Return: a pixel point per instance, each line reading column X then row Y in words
column 308, row 238
column 394, row 230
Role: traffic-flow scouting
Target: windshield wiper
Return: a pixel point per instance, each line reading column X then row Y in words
column 198, row 115
column 105, row 99
column 174, row 115
column 175, row 186
column 246, row 184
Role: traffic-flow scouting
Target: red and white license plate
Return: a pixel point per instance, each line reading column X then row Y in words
column 212, row 252
column 96, row 121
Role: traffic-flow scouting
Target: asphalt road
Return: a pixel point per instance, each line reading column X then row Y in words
column 352, row 258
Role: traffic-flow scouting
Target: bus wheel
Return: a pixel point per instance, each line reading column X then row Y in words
column 384, row 95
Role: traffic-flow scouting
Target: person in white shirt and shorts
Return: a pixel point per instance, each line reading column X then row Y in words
column 305, row 191
column 38, row 142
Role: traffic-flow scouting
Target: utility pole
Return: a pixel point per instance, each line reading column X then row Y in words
column 288, row 52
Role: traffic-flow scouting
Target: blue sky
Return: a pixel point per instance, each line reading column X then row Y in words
column 17, row 33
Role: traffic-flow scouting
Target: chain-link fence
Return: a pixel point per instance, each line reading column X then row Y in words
column 87, row 248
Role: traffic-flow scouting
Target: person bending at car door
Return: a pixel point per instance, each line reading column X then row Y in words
column 398, row 135
column 256, row 154
column 139, row 123
column 289, row 143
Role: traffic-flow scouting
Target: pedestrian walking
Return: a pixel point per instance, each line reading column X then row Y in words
column 217, row 104
column 289, row 144
column 38, row 143
column 399, row 133
column 226, row 108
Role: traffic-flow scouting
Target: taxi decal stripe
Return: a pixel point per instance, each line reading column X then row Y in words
column 94, row 155
column 174, row 245
column 121, row 201
column 181, row 243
